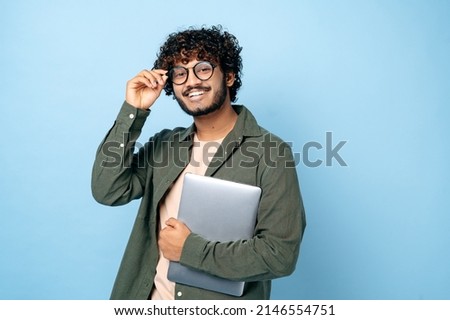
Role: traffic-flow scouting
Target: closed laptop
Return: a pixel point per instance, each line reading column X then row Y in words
column 217, row 210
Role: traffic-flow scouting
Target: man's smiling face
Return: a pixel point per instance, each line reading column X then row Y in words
column 200, row 97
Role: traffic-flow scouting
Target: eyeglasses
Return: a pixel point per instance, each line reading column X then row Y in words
column 203, row 70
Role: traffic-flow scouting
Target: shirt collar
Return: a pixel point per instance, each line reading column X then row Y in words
column 246, row 126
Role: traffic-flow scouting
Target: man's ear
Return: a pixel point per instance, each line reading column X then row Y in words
column 230, row 77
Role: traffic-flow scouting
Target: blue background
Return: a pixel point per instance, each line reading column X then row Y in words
column 374, row 73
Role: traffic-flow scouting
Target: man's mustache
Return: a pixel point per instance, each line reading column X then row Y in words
column 196, row 88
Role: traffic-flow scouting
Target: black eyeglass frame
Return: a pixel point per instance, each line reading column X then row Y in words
column 171, row 70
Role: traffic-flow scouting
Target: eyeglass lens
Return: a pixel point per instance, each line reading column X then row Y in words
column 202, row 70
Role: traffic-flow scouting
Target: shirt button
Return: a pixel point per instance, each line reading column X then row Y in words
column 122, row 145
column 179, row 293
column 131, row 116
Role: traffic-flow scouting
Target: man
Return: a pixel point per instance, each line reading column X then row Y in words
column 202, row 69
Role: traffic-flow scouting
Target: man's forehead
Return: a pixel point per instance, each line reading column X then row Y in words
column 188, row 63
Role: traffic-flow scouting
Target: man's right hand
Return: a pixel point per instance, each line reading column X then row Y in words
column 145, row 88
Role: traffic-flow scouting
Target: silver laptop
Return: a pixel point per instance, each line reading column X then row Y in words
column 217, row 210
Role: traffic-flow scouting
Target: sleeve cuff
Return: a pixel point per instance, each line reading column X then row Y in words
column 193, row 251
column 130, row 116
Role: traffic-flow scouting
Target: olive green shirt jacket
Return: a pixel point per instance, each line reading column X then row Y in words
column 249, row 154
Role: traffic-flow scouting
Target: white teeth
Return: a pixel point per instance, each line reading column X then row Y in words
column 196, row 93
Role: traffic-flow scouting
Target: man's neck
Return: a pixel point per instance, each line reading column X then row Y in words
column 216, row 125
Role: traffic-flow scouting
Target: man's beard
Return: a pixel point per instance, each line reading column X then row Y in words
column 218, row 101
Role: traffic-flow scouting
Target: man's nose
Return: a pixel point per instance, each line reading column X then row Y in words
column 192, row 79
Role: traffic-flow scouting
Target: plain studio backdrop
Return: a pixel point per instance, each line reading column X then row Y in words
column 362, row 84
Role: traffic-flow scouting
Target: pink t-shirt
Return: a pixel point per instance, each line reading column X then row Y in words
column 202, row 154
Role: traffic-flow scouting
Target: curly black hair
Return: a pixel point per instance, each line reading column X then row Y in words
column 211, row 44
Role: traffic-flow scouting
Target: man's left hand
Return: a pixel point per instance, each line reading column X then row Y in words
column 172, row 238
